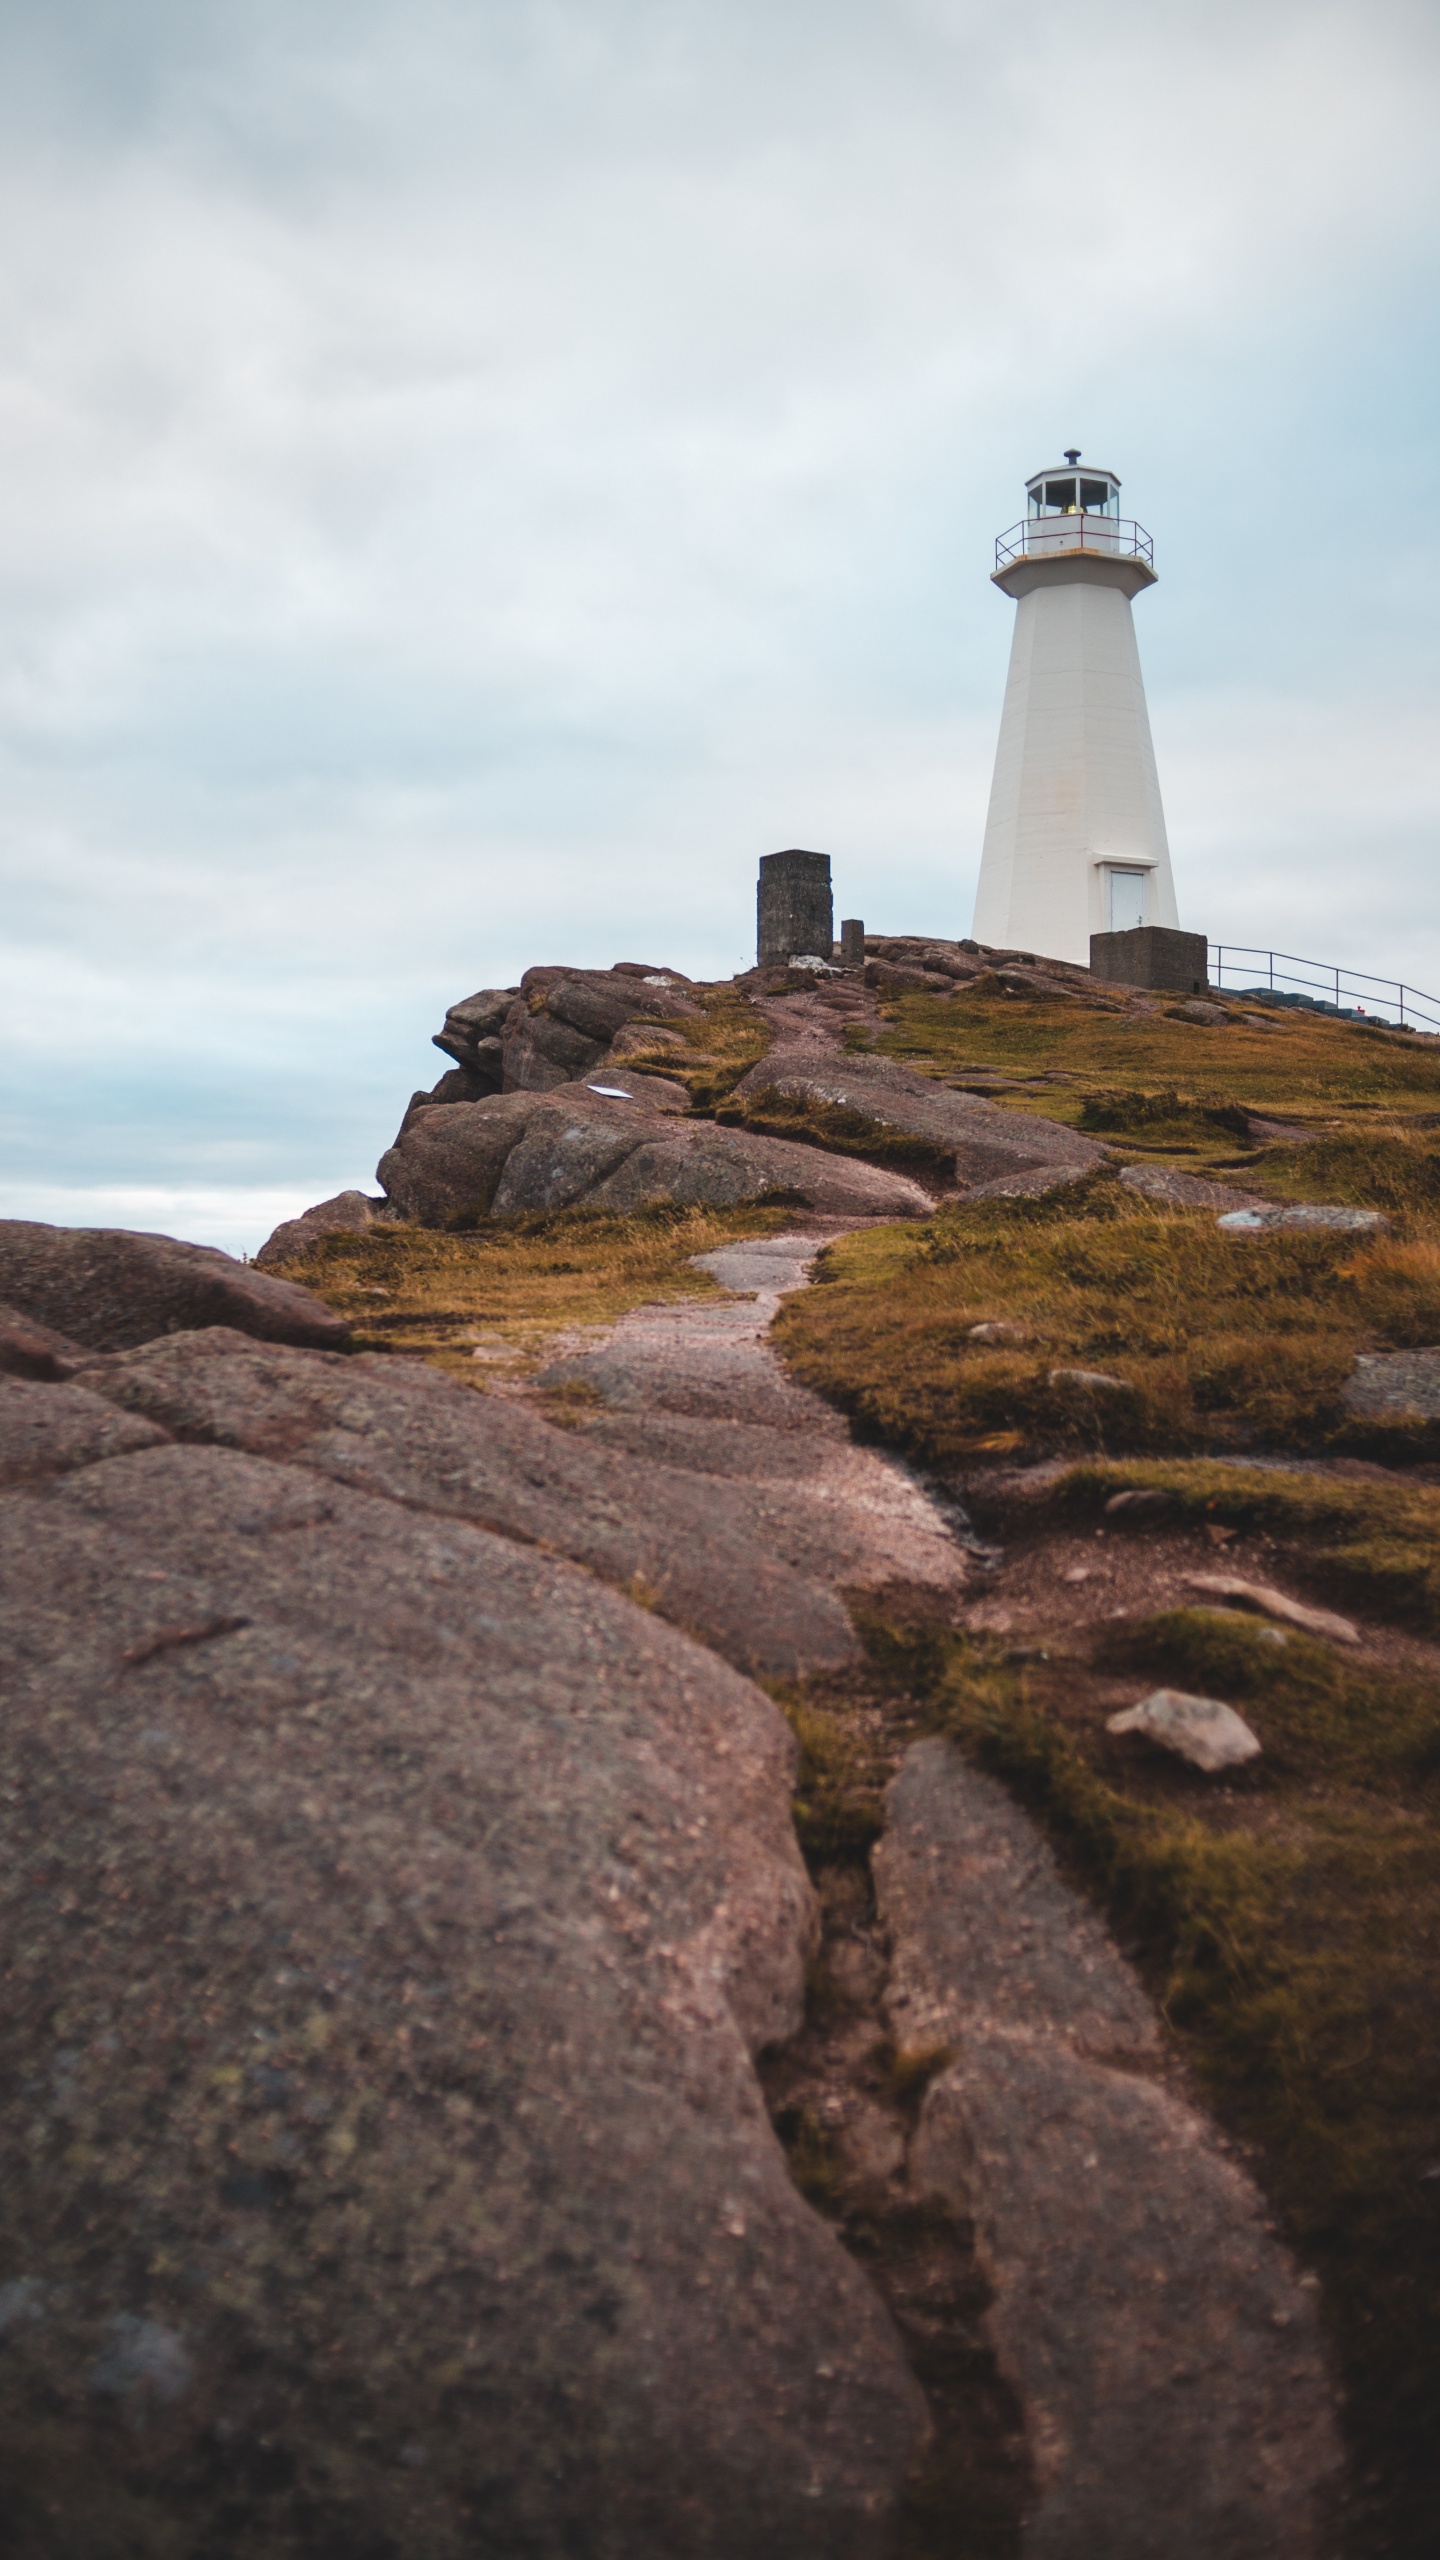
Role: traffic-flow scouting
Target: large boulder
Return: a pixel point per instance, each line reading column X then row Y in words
column 565, row 1019
column 527, row 1151
column 349, row 1213
column 391, row 1913
column 31, row 1350
column 472, row 1036
column 403, row 1430
column 109, row 1288
column 981, row 1141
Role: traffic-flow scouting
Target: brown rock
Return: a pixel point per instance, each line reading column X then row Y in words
column 530, row 1151
column 109, row 1288
column 985, row 1142
column 422, row 1440
column 1166, row 2357
column 623, row 1084
column 47, row 1430
column 639, row 1039
column 349, row 1213
column 1171, row 1189
column 394, row 2158
column 1276, row 1604
column 541, row 1053
column 31, row 1350
column 1197, row 1011
column 1394, row 1386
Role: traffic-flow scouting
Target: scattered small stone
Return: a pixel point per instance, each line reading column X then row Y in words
column 997, row 1331
column 1077, row 1573
column 1198, row 1011
column 1170, row 1188
column 1098, row 1381
column 1218, row 1534
column 1139, row 1502
column 1250, row 1222
column 1391, row 1385
column 1276, row 1604
column 1203, row 1731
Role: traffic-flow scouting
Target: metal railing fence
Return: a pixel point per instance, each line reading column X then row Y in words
column 1320, row 986
column 1046, row 537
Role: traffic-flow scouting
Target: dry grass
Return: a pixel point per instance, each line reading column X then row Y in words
column 1218, row 1342
column 1306, row 1069
column 506, row 1290
column 730, row 1040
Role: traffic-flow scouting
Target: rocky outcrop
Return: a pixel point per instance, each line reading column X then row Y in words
column 391, row 1913
column 402, row 1430
column 980, row 1142
column 555, row 1026
column 349, row 1213
column 529, row 1151
column 109, row 1289
column 31, row 1350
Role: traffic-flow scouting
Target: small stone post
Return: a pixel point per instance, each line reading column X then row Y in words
column 852, row 943
column 796, row 912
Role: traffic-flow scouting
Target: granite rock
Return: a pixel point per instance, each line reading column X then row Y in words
column 426, row 1441
column 1137, row 2298
column 1169, row 1188
column 109, row 1288
column 983, row 1141
column 391, row 2166
column 349, row 1213
column 526, row 1151
column 31, row 1350
column 1203, row 1731
column 1394, row 1386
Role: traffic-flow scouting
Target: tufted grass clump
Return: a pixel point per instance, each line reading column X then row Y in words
column 1212, row 1342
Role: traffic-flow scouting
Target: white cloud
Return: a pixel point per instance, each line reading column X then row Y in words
column 485, row 474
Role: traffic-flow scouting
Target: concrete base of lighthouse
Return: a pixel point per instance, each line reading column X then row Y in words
column 1075, row 840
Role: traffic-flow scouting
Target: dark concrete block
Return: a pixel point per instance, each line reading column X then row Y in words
column 852, row 943
column 1153, row 955
column 795, row 909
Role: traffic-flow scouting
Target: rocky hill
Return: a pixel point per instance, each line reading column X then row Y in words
column 634, row 1925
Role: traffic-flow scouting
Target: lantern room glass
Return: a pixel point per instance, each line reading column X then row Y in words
column 1075, row 493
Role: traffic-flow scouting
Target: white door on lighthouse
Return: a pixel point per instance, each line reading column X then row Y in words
column 1127, row 900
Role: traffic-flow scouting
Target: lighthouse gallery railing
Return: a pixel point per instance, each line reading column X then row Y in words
column 1043, row 537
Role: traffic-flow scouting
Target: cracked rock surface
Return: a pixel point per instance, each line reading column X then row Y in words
column 1166, row 2353
column 391, row 1912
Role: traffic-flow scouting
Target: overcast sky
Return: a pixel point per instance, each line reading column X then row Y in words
column 479, row 473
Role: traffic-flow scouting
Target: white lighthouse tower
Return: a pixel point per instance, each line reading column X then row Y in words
column 1075, row 839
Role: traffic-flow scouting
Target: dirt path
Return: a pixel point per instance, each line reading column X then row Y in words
column 1118, row 2358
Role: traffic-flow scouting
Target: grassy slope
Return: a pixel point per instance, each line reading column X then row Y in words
column 1289, row 1920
